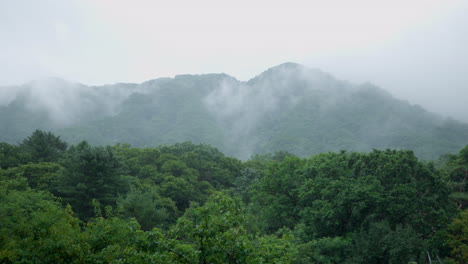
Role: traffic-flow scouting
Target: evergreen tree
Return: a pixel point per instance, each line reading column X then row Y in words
column 43, row 146
column 91, row 173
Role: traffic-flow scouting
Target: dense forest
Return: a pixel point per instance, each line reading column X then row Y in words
column 286, row 108
column 189, row 203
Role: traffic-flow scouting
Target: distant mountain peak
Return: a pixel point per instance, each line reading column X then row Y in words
column 286, row 67
column 291, row 71
column 289, row 65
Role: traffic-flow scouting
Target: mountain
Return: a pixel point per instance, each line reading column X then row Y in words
column 288, row 107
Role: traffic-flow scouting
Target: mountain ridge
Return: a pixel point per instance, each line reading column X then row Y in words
column 287, row 107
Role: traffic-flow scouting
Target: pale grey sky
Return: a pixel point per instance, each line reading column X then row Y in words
column 416, row 49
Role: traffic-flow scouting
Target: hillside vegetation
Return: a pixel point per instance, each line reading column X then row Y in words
column 189, row 203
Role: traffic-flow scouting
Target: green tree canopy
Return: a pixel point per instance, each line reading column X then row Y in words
column 91, row 173
column 43, row 146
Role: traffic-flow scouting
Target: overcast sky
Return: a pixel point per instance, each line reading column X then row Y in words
column 415, row 49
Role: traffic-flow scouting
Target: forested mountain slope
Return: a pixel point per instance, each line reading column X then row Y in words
column 288, row 107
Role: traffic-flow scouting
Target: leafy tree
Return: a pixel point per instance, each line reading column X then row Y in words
column 216, row 231
column 181, row 190
column 180, row 183
column 274, row 249
column 167, row 169
column 335, row 207
column 142, row 163
column 42, row 176
column 275, row 197
column 10, row 156
column 458, row 238
column 110, row 240
column 36, row 229
column 163, row 249
column 212, row 166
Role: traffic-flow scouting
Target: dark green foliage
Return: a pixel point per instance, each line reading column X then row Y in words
column 457, row 167
column 277, row 198
column 91, row 173
column 148, row 207
column 326, row 250
column 346, row 196
column 382, row 244
column 336, row 207
column 43, row 147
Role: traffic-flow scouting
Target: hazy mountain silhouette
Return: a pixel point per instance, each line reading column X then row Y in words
column 287, row 107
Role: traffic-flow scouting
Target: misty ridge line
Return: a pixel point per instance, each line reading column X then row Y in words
column 287, row 107
column 66, row 102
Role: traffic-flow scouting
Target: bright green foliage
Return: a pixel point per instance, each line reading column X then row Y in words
column 91, row 173
column 180, row 183
column 156, row 247
column 36, row 229
column 43, row 146
column 217, row 233
column 41, row 176
column 458, row 238
column 17, row 184
column 273, row 249
column 108, row 240
column 134, row 158
column 10, row 156
column 212, row 166
column 176, row 168
column 184, row 172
